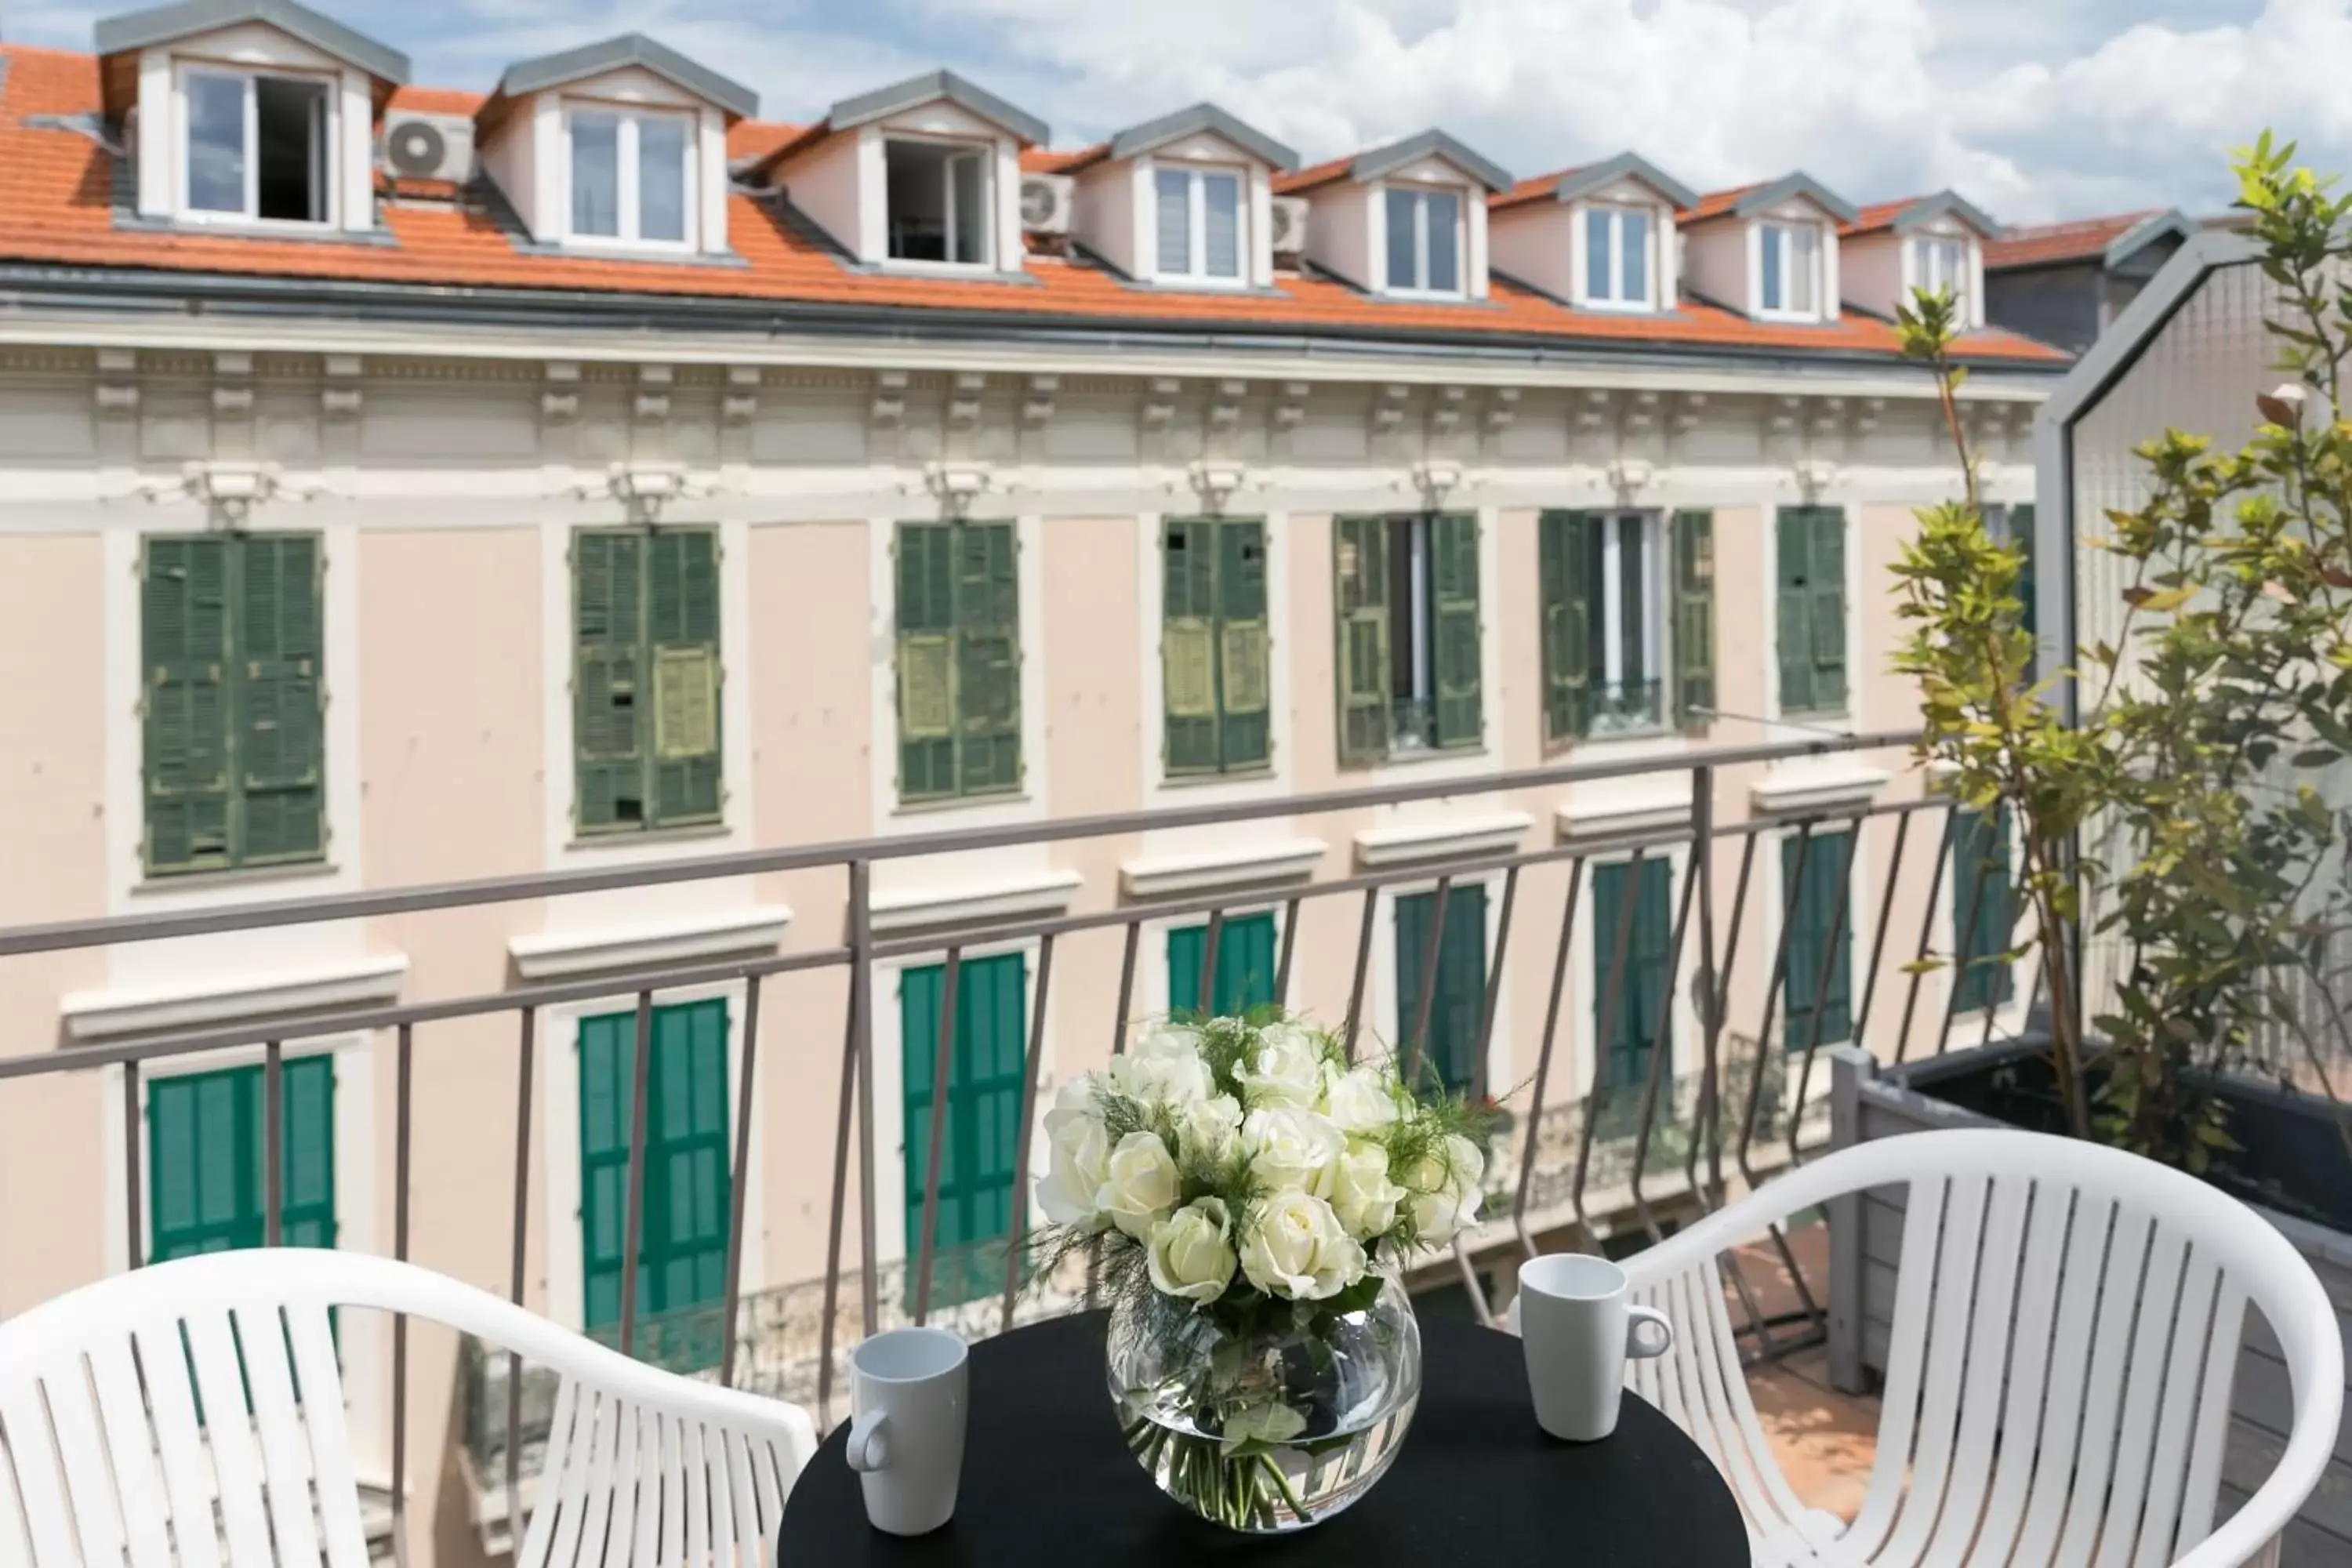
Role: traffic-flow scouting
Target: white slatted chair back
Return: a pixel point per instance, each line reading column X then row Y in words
column 115, row 1451
column 2066, row 1327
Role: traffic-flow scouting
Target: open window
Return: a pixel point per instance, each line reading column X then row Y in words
column 1199, row 225
column 257, row 146
column 1618, row 267
column 937, row 201
column 1409, row 635
column 1789, row 271
column 632, row 176
column 1424, row 241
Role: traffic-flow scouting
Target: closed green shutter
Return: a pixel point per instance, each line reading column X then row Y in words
column 1245, row 960
column 608, row 685
column 1187, row 644
column 1693, row 616
column 1809, row 934
column 1984, row 910
column 184, row 636
column 1449, row 1052
column 1567, row 542
column 280, row 737
column 959, row 615
column 686, row 1184
column 1811, row 621
column 207, row 1185
column 983, row 1119
column 927, row 685
column 1244, row 675
column 1454, row 583
column 1628, row 1039
column 1361, row 571
column 682, row 635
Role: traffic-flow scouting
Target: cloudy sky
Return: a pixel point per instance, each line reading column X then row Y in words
column 2035, row 109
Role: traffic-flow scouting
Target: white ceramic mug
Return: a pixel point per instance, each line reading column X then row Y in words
column 1578, row 1331
column 908, row 1392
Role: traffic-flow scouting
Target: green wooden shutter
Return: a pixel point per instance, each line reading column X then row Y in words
column 1809, row 934
column 926, row 683
column 206, row 1183
column 1982, row 882
column 988, row 657
column 687, row 1182
column 1360, row 567
column 983, row 1117
column 1632, row 1034
column 1694, row 615
column 1449, row 1052
column 1828, row 612
column 1454, row 584
column 682, row 654
column 281, row 728
column 1244, row 677
column 1245, row 960
column 1792, row 607
column 609, row 699
column 1565, row 549
column 1187, row 644
column 184, row 652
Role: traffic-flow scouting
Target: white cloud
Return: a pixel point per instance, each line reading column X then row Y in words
column 2034, row 108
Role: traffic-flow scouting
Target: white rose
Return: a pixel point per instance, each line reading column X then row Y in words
column 1077, row 1156
column 1269, row 1424
column 1292, row 1150
column 1296, row 1249
column 1210, row 1129
column 1360, row 1100
column 1190, row 1254
column 1138, row 1184
column 1284, row 1067
column 1165, row 1066
column 1446, row 1188
column 1361, row 1194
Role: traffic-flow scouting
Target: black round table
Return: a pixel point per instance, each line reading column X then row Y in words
column 1046, row 1479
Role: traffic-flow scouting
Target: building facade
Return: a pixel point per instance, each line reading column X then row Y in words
column 641, row 482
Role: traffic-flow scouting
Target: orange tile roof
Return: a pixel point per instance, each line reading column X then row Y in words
column 56, row 208
column 1312, row 175
column 1061, row 159
column 755, row 139
column 1879, row 215
column 436, row 101
column 1535, row 187
column 1715, row 204
column 2078, row 239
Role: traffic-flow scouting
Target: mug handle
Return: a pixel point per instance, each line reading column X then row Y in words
column 870, row 1442
column 1636, row 1320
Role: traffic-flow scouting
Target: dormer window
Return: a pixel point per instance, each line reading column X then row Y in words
column 631, row 176
column 1618, row 265
column 1424, row 241
column 1789, row 269
column 936, row 198
column 1199, row 225
column 1940, row 262
column 256, row 147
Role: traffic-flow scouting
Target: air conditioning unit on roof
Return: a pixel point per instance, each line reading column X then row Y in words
column 1289, row 236
column 1046, row 201
column 428, row 146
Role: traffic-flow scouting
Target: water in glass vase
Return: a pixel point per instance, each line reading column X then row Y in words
column 1270, row 1427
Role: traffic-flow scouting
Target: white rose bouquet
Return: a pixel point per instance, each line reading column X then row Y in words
column 1247, row 1188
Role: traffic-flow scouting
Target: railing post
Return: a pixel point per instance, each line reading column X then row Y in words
column 273, row 1142
column 1207, row 994
column 634, row 1200
column 526, row 1056
column 1019, row 1218
column 1850, row 1068
column 1489, row 1005
column 1363, row 963
column 1706, row 1114
column 1827, row 967
column 735, row 1196
column 135, row 1231
column 1612, row 996
column 403, row 1132
column 1430, row 950
column 1944, row 853
column 936, row 1143
column 1543, row 1056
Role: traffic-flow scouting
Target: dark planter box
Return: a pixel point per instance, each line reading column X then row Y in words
column 2291, row 1173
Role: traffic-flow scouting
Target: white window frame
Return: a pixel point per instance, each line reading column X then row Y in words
column 1922, row 246
column 1196, row 221
column 185, row 211
column 1421, row 195
column 1781, row 233
column 627, row 119
column 1612, row 214
column 1612, row 614
column 954, row 146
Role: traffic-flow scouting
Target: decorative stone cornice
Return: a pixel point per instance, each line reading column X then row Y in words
column 1290, row 410
column 741, row 401
column 889, row 405
column 1159, row 401
column 1388, row 409
column 1435, row 478
column 1037, row 408
column 1215, row 483
column 1502, row 407
column 1816, row 477
column 338, row 394
column 964, row 400
column 653, row 383
column 559, row 399
column 233, row 383
column 1226, row 408
column 117, row 390
column 956, row 484
column 1629, row 477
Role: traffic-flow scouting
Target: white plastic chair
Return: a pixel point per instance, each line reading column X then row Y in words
column 101, row 1451
column 2057, row 1390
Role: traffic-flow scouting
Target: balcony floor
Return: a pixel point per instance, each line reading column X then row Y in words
column 1823, row 1439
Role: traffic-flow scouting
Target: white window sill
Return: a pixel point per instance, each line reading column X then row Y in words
column 1443, row 838
column 610, row 247
column 943, row 269
column 234, row 876
column 1619, row 307
column 1248, row 866
column 1612, row 808
column 1431, row 295
column 122, row 1010
column 735, row 935
column 962, row 903
column 245, row 223
column 1789, row 318
column 1806, row 784
column 1190, row 280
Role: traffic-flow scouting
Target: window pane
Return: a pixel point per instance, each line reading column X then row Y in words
column 289, row 132
column 969, row 178
column 661, row 179
column 1634, row 256
column 595, row 174
column 1445, row 242
column 1221, row 206
column 1599, row 282
column 1803, row 246
column 1632, row 613
column 1773, row 236
column 1175, row 188
column 1404, row 213
column 216, row 144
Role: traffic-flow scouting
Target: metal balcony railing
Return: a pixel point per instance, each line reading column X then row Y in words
column 1592, row 1148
